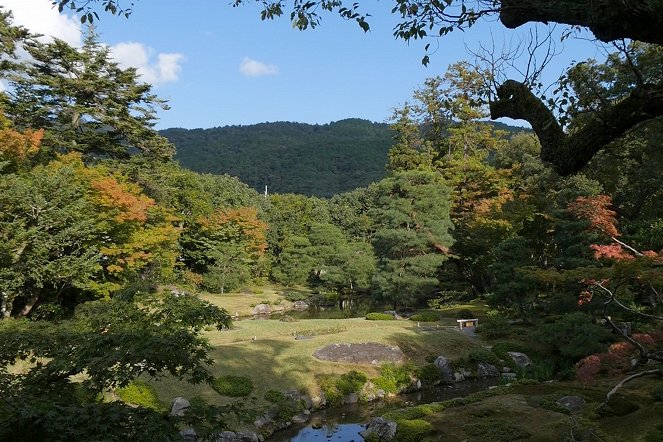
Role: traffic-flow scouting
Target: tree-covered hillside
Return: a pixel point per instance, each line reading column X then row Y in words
column 320, row 160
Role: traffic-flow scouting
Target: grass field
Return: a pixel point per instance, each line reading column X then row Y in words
column 268, row 353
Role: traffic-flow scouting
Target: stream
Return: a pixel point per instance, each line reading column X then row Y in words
column 344, row 423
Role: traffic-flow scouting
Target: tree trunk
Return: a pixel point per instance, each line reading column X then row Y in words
column 27, row 308
column 608, row 19
column 570, row 153
column 5, row 306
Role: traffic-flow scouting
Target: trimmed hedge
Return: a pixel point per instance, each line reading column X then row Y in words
column 425, row 317
column 233, row 386
column 141, row 394
column 379, row 317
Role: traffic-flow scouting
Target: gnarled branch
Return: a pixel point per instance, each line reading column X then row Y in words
column 570, row 153
column 608, row 19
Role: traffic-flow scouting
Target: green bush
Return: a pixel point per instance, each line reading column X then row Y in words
column 574, row 336
column 495, row 327
column 655, row 435
column 351, row 382
column 425, row 317
column 657, row 393
column 393, row 377
column 413, row 430
column 233, row 386
column 274, row 396
column 465, row 313
column 335, row 387
column 483, row 355
column 379, row 317
column 295, row 296
column 141, row 394
column 428, row 374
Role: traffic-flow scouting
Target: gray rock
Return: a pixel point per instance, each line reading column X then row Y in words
column 179, row 406
column 188, row 434
column 384, row 429
column 351, row 398
column 446, row 371
column 510, row 376
column 506, row 369
column 301, row 417
column 459, row 377
column 264, row 422
column 486, row 370
column 262, row 309
column 572, row 403
column 319, row 401
column 521, row 359
column 300, row 305
column 307, row 401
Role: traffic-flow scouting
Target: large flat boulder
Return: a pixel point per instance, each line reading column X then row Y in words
column 365, row 353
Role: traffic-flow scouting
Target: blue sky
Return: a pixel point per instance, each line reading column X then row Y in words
column 218, row 65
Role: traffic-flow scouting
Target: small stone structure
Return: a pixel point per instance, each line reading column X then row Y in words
column 463, row 323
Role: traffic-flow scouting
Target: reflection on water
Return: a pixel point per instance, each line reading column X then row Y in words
column 345, row 423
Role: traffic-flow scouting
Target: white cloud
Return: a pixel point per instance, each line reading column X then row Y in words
column 40, row 17
column 159, row 69
column 254, row 68
column 2, row 86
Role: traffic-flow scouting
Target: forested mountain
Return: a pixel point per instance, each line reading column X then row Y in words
column 320, row 160
column 309, row 159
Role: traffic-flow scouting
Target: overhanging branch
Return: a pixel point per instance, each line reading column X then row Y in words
column 608, row 19
column 570, row 153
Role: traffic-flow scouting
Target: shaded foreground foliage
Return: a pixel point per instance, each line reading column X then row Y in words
column 54, row 374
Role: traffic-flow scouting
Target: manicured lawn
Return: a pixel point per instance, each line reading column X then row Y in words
column 268, row 353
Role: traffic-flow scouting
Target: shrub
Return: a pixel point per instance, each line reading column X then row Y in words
column 351, row 382
column 295, row 296
column 425, row 317
column 657, row 393
column 413, row 430
column 233, row 386
column 393, row 377
column 494, row 327
column 428, row 374
column 274, row 396
column 483, row 355
column 335, row 387
column 379, row 317
column 574, row 336
column 141, row 394
column 465, row 313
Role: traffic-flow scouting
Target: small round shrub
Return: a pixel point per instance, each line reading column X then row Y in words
column 379, row 317
column 425, row 317
column 274, row 396
column 657, row 393
column 351, row 382
column 141, row 394
column 233, row 386
column 413, row 430
column 495, row 327
column 465, row 313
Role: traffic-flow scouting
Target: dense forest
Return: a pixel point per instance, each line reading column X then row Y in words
column 320, row 160
column 96, row 219
column 314, row 160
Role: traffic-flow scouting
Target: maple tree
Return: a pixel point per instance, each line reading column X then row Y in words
column 641, row 267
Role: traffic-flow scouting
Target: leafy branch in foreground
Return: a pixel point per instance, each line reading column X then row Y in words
column 52, row 374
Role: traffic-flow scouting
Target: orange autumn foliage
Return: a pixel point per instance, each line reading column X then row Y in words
column 595, row 209
column 242, row 225
column 617, row 360
column 17, row 148
column 123, row 198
